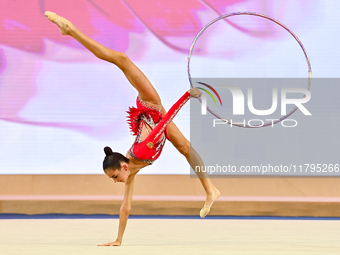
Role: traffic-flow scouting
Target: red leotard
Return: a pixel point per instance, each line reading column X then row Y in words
column 147, row 123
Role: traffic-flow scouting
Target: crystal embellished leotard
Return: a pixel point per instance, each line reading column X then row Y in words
column 149, row 126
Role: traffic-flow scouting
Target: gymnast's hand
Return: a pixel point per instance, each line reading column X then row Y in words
column 195, row 92
column 115, row 243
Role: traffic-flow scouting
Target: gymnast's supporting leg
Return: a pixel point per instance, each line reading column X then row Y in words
column 212, row 192
column 194, row 159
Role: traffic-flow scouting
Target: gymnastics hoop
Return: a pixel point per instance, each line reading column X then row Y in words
column 262, row 16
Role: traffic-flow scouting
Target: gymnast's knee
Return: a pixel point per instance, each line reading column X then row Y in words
column 184, row 148
column 120, row 59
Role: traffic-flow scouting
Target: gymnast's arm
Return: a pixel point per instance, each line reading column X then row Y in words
column 125, row 207
column 124, row 210
column 154, row 135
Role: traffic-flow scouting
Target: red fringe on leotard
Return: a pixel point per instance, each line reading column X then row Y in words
column 134, row 117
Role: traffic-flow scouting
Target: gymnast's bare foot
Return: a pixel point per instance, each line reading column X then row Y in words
column 64, row 25
column 211, row 197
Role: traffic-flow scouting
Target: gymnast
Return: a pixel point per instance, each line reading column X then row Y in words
column 149, row 122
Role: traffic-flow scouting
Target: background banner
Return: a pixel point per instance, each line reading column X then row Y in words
column 60, row 106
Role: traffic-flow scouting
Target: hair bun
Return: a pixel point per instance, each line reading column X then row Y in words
column 108, row 151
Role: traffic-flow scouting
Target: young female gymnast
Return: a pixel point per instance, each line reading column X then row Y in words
column 149, row 122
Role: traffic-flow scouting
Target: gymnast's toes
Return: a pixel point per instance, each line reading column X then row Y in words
column 51, row 16
column 63, row 24
column 204, row 211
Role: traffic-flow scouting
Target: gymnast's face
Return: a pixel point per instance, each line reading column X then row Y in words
column 118, row 175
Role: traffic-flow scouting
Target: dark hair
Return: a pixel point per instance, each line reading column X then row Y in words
column 113, row 159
